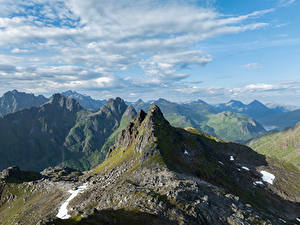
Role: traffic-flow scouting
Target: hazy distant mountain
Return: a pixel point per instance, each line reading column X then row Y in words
column 199, row 114
column 282, row 107
column 59, row 131
column 282, row 120
column 13, row 101
column 273, row 117
column 84, row 100
column 255, row 109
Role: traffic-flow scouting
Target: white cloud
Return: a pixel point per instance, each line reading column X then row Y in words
column 252, row 66
column 91, row 44
column 286, row 2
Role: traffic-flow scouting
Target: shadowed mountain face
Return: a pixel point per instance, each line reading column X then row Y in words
column 85, row 101
column 230, row 126
column 13, row 101
column 159, row 174
column 60, row 131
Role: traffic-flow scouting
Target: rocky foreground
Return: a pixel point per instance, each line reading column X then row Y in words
column 158, row 174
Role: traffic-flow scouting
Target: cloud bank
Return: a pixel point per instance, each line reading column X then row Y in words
column 112, row 47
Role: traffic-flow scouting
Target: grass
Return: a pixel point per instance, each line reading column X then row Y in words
column 284, row 145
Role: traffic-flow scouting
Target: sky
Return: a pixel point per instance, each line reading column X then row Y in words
column 180, row 50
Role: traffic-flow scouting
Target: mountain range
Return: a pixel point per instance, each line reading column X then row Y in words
column 59, row 131
column 155, row 173
column 232, row 121
column 230, row 126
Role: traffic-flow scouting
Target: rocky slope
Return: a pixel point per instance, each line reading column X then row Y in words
column 284, row 145
column 60, row 131
column 13, row 101
column 158, row 174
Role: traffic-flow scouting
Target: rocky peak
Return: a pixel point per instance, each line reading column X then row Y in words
column 64, row 102
column 140, row 116
column 139, row 101
column 141, row 133
column 14, row 174
column 257, row 103
column 156, row 117
column 129, row 111
column 116, row 106
column 235, row 103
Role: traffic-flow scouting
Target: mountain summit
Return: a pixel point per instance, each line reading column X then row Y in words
column 13, row 101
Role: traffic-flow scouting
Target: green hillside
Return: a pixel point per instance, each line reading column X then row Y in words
column 284, row 145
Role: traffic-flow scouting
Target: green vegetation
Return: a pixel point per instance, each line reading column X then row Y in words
column 234, row 126
column 284, row 145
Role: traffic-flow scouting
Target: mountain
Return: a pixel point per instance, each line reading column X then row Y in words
column 96, row 130
column 282, row 120
column 59, row 131
column 255, row 109
column 235, row 126
column 282, row 107
column 284, row 145
column 13, row 101
column 158, row 174
column 228, row 126
column 273, row 117
column 85, row 101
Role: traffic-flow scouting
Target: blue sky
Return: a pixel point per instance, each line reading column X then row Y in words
column 215, row 50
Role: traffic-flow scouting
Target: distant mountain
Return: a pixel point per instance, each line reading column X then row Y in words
column 281, row 121
column 282, row 107
column 273, row 117
column 235, row 126
column 58, row 132
column 205, row 117
column 284, row 145
column 255, row 109
column 85, row 101
column 13, row 101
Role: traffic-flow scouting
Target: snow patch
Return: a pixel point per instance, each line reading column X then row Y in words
column 186, row 152
column 267, row 177
column 258, row 182
column 298, row 219
column 238, row 169
column 245, row 168
column 282, row 220
column 220, row 162
column 231, row 158
column 63, row 211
